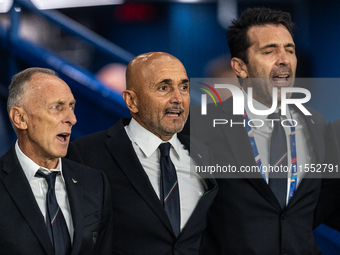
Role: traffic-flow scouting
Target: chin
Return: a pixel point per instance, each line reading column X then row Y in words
column 61, row 154
column 172, row 131
column 177, row 129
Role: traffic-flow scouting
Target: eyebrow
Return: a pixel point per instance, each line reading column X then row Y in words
column 167, row 81
column 63, row 102
column 274, row 45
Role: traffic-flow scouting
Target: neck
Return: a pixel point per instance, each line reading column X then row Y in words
column 40, row 160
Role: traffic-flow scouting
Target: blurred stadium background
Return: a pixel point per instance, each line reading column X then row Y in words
column 90, row 42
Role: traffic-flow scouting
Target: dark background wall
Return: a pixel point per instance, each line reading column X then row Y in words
column 194, row 34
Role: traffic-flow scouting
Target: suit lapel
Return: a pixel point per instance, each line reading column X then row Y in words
column 75, row 196
column 19, row 189
column 237, row 135
column 317, row 139
column 132, row 168
column 199, row 158
column 238, row 140
column 201, row 208
column 306, row 186
column 319, row 152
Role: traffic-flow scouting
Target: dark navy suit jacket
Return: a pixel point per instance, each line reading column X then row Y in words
column 141, row 225
column 22, row 225
column 246, row 217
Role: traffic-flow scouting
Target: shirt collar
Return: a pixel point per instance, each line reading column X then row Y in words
column 147, row 141
column 30, row 167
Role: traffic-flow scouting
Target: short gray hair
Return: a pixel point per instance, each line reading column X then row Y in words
column 17, row 88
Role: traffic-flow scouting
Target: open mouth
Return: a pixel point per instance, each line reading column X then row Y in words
column 173, row 113
column 281, row 79
column 63, row 137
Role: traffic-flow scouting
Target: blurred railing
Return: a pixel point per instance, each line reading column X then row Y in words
column 98, row 106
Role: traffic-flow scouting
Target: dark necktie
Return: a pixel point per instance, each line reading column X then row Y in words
column 55, row 221
column 169, row 188
column 278, row 158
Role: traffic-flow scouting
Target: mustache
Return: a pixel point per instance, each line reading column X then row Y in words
column 281, row 69
column 169, row 109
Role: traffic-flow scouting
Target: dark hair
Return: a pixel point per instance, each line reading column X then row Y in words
column 237, row 36
column 17, row 87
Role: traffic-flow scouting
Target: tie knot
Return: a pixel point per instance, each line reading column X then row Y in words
column 274, row 115
column 50, row 178
column 165, row 149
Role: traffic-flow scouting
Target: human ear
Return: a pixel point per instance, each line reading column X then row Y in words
column 18, row 117
column 130, row 99
column 239, row 67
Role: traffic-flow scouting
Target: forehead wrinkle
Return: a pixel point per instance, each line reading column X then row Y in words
column 275, row 30
column 62, row 101
column 32, row 94
column 142, row 71
column 45, row 88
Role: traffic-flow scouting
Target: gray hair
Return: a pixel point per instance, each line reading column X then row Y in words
column 17, row 88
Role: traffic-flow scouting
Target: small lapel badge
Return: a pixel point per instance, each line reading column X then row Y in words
column 200, row 155
column 74, row 181
column 312, row 121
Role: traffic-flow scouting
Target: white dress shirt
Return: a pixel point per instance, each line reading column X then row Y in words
column 191, row 186
column 262, row 136
column 39, row 187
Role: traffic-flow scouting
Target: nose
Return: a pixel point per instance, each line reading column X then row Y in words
column 282, row 58
column 70, row 118
column 176, row 96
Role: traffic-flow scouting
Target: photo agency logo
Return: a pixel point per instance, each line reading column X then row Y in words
column 240, row 99
column 204, row 96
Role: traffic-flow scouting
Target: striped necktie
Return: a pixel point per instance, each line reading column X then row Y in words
column 55, row 221
column 169, row 188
